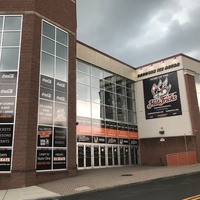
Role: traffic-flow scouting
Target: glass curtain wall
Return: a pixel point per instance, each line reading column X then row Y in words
column 197, row 82
column 10, row 43
column 106, row 116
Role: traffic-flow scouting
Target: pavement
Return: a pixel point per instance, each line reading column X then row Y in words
column 97, row 179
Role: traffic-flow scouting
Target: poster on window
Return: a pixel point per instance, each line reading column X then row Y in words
column 46, row 112
column 6, row 135
column 7, row 109
column 61, row 91
column 5, row 160
column 161, row 96
column 8, row 81
column 60, row 137
column 60, row 115
column 44, row 136
column 44, row 159
column 59, row 159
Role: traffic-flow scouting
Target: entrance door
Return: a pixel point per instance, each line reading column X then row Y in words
column 127, row 155
column 133, row 155
column 80, row 156
column 110, row 156
column 96, row 156
column 88, row 155
column 115, row 149
column 121, row 149
column 103, row 155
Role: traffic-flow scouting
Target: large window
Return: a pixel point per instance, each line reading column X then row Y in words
column 104, row 95
column 10, row 41
column 53, row 99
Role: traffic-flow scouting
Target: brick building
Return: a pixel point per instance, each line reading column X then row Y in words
column 65, row 105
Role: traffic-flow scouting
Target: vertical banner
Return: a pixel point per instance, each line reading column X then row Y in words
column 52, row 124
column 161, row 96
column 8, row 90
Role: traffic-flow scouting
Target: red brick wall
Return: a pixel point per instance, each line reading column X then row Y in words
column 194, row 110
column 151, row 149
column 62, row 13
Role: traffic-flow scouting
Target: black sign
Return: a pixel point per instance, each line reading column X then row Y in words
column 60, row 115
column 61, row 86
column 44, row 159
column 122, row 126
column 44, row 136
column 46, row 112
column 124, row 141
column 46, row 82
column 59, row 159
column 6, row 135
column 5, row 160
column 112, row 140
column 84, row 138
column 59, row 137
column 7, row 108
column 97, row 139
column 111, row 125
column 46, row 93
column 133, row 128
column 161, row 96
column 134, row 142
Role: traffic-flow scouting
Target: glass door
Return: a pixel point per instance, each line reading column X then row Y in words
column 110, row 156
column 115, row 149
column 127, row 155
column 96, row 156
column 80, row 156
column 121, row 155
column 103, row 155
column 88, row 155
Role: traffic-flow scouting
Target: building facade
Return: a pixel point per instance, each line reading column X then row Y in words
column 66, row 106
column 37, row 52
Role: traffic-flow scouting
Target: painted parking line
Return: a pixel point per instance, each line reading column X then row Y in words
column 196, row 197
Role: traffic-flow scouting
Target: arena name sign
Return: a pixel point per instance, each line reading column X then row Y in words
column 158, row 70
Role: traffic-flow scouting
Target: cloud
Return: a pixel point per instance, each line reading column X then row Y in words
column 140, row 31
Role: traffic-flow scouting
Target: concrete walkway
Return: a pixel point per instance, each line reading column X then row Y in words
column 95, row 179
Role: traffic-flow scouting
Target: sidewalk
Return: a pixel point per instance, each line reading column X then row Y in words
column 95, row 179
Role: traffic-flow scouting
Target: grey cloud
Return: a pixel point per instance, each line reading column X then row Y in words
column 114, row 24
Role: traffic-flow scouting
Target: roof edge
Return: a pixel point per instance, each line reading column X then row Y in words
column 77, row 41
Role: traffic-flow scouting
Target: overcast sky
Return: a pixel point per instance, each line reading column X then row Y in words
column 138, row 32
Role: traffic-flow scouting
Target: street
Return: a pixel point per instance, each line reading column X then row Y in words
column 181, row 187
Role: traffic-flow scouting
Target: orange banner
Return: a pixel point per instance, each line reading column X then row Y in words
column 83, row 130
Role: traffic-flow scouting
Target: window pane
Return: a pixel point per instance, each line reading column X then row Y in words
column 130, row 93
column 130, row 84
column 120, row 80
column 48, row 45
column 12, row 23
column 11, row 38
column 121, row 115
column 61, row 37
column 97, row 111
column 130, row 117
column 97, row 72
column 95, row 82
column 120, row 90
column 83, row 92
column 1, row 22
column 83, row 108
column 61, row 51
column 61, row 70
column 83, row 67
column 121, row 102
column 95, row 94
column 109, row 86
column 110, row 113
column 9, row 59
column 47, row 65
column 48, row 30
column 83, row 78
column 110, row 99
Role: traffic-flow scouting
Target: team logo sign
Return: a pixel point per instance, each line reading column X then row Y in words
column 162, row 97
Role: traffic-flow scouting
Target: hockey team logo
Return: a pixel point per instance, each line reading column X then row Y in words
column 161, row 94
